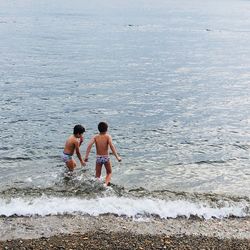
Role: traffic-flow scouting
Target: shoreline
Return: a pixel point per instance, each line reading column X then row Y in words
column 37, row 226
column 114, row 232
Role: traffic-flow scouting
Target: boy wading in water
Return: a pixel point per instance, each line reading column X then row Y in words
column 72, row 145
column 102, row 142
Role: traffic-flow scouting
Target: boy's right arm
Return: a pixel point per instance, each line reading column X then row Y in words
column 90, row 144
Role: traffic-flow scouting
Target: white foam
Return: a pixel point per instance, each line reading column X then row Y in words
column 131, row 207
column 29, row 179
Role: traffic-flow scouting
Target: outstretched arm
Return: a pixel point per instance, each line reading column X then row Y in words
column 90, row 144
column 113, row 149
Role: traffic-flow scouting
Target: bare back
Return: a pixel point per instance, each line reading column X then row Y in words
column 102, row 144
column 70, row 145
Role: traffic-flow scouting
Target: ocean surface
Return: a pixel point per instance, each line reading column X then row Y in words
column 171, row 78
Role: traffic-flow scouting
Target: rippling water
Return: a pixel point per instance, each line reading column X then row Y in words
column 170, row 77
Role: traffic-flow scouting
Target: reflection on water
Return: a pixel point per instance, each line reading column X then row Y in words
column 171, row 81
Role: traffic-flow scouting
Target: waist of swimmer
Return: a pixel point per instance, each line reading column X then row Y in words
column 100, row 156
column 67, row 154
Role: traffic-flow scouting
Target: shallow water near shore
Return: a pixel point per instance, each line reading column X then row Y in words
column 171, row 79
column 86, row 196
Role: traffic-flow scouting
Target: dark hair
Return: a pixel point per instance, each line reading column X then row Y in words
column 79, row 129
column 102, row 127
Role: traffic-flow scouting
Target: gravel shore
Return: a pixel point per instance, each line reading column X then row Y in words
column 106, row 240
column 112, row 232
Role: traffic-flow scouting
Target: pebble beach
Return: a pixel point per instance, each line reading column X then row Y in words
column 112, row 232
column 102, row 240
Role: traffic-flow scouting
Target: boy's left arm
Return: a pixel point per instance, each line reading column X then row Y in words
column 77, row 145
column 114, row 149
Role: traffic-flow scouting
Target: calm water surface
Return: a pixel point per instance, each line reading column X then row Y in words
column 170, row 77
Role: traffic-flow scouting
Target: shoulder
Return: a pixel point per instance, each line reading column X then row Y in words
column 73, row 139
column 93, row 139
column 108, row 136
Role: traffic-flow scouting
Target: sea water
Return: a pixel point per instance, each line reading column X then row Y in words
column 171, row 78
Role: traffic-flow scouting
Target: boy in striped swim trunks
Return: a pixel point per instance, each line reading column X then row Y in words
column 72, row 145
column 102, row 141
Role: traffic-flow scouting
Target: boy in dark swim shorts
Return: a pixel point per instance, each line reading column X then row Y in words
column 72, row 145
column 103, row 141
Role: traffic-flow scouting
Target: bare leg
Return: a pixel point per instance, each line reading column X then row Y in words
column 108, row 172
column 71, row 164
column 98, row 170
